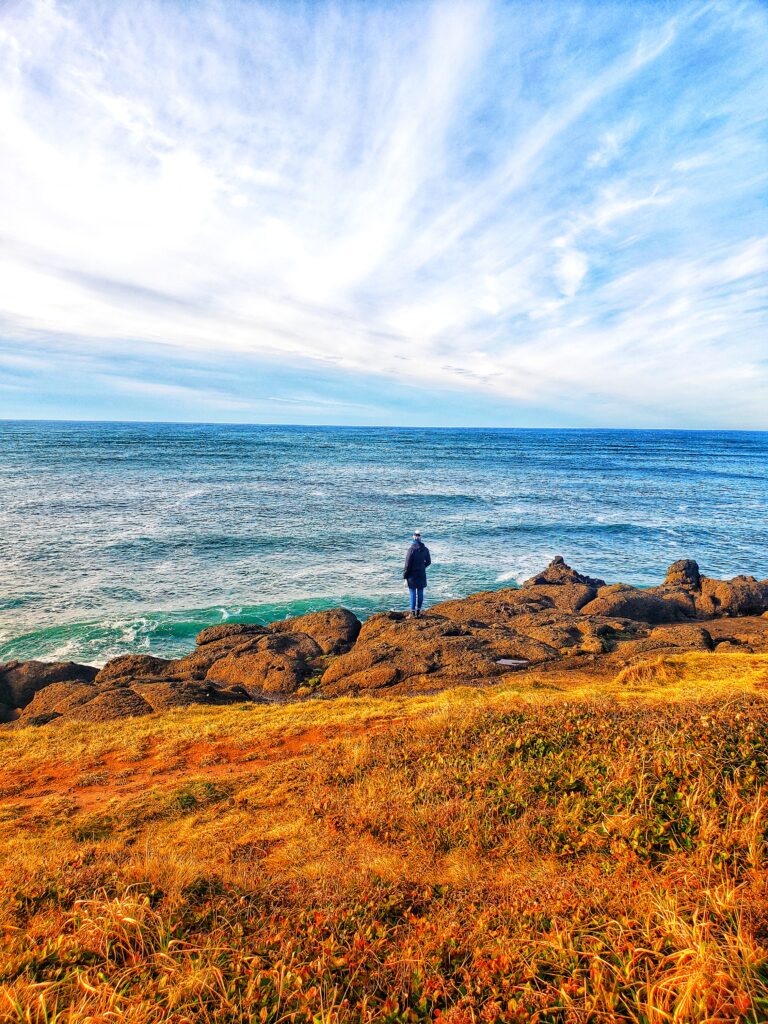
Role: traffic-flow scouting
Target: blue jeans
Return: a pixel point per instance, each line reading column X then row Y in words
column 417, row 598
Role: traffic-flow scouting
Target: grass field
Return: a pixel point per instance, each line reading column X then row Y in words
column 553, row 851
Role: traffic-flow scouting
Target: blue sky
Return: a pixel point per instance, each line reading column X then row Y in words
column 533, row 214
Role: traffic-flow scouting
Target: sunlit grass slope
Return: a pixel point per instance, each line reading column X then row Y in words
column 542, row 852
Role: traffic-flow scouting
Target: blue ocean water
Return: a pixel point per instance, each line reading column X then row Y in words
column 132, row 537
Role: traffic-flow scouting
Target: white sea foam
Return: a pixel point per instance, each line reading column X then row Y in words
column 504, row 577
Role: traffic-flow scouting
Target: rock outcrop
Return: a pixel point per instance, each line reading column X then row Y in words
column 633, row 603
column 557, row 620
column 20, row 680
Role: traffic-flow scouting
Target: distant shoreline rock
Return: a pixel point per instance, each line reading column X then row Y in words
column 558, row 618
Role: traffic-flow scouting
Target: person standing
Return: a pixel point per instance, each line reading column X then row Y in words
column 417, row 559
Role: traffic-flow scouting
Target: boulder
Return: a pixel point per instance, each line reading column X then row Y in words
column 195, row 666
column 260, row 672
column 683, row 575
column 271, row 663
column 568, row 597
column 729, row 646
column 334, row 630
column 56, row 700
column 107, row 705
column 743, row 595
column 687, row 636
column 21, row 680
column 628, row 602
column 559, row 573
column 70, row 700
column 132, row 666
column 564, row 631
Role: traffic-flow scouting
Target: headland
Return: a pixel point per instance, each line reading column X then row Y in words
column 556, row 629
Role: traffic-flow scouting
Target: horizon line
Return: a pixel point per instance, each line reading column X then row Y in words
column 380, row 426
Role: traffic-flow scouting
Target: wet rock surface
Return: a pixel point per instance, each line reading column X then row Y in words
column 558, row 620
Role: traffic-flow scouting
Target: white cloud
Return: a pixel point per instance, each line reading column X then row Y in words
column 379, row 191
column 572, row 266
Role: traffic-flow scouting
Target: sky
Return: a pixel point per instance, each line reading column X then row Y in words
column 449, row 213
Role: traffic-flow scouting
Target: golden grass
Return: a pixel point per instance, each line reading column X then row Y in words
column 590, row 851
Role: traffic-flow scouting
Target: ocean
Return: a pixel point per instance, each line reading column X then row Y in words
column 131, row 537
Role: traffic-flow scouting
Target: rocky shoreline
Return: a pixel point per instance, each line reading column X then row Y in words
column 558, row 620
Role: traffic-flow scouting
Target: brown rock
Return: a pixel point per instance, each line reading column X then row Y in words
column 117, row 702
column 132, row 666
column 259, row 672
column 683, row 637
column 568, row 597
column 412, row 655
column 334, row 630
column 688, row 636
column 499, row 607
column 559, row 630
column 683, row 600
column 628, row 602
column 743, row 595
column 195, row 666
column 20, row 680
column 56, row 700
column 163, row 696
column 295, row 645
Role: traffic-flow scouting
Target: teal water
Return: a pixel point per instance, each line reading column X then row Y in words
column 132, row 537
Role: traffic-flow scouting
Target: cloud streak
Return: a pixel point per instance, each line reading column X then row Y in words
column 557, row 208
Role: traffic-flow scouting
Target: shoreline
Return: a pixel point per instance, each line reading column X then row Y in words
column 557, row 621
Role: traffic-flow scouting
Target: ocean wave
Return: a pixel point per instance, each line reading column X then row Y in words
column 167, row 634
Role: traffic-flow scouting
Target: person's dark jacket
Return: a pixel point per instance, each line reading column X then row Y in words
column 416, row 561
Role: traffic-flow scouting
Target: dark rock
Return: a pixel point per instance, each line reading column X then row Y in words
column 728, row 647
column 683, row 575
column 229, row 630
column 20, row 680
column 558, row 573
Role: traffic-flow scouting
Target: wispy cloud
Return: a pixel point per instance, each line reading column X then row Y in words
column 563, row 213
